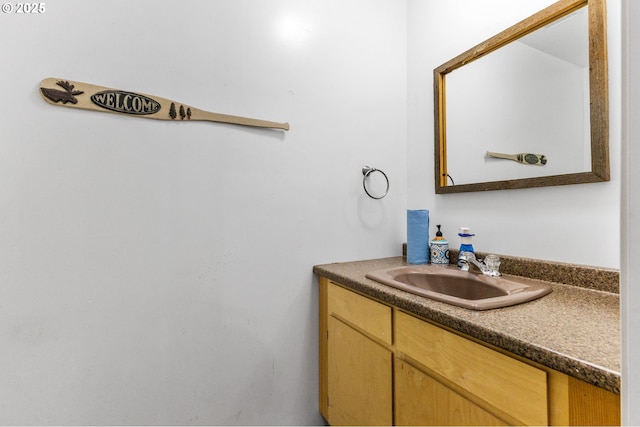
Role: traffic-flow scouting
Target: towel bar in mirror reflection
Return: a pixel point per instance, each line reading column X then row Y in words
column 540, row 86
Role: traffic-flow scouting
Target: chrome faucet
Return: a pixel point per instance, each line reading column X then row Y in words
column 488, row 268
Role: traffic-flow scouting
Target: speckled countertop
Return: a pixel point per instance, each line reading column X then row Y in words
column 574, row 330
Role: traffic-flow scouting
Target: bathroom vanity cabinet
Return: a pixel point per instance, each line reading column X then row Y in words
column 359, row 359
column 380, row 365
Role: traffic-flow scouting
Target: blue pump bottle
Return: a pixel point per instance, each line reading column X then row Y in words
column 465, row 241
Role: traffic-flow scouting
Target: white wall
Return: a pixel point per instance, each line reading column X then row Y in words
column 576, row 223
column 160, row 273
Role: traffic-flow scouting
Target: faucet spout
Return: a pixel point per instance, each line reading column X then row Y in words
column 467, row 258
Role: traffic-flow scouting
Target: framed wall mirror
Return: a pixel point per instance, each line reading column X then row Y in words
column 527, row 107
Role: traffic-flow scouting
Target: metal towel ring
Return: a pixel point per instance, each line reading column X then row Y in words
column 368, row 170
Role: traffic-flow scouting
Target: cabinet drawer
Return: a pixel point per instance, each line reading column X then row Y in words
column 503, row 382
column 364, row 313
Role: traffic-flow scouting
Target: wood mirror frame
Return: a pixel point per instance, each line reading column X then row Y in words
column 598, row 93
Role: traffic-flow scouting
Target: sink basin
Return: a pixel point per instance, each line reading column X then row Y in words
column 446, row 283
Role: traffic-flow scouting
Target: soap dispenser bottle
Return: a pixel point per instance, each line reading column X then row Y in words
column 465, row 241
column 439, row 249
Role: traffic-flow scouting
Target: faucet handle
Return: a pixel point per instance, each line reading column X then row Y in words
column 493, row 263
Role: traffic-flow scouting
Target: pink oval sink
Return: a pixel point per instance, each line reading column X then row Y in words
column 446, row 283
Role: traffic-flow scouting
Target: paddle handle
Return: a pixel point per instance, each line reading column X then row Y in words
column 87, row 96
column 513, row 157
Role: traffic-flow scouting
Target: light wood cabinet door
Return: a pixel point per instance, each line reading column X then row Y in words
column 359, row 383
column 422, row 400
column 505, row 384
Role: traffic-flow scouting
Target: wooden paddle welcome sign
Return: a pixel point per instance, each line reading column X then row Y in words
column 97, row 98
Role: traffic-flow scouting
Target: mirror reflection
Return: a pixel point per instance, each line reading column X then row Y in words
column 519, row 112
